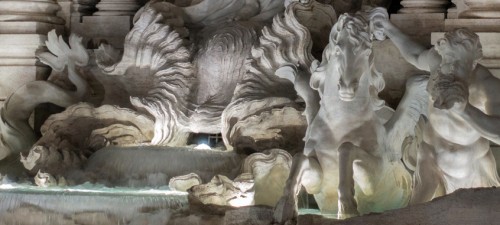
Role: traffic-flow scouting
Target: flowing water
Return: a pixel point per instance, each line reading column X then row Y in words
column 19, row 202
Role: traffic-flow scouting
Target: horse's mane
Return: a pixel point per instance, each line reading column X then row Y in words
column 358, row 30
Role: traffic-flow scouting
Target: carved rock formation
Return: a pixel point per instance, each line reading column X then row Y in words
column 155, row 68
column 70, row 137
column 261, row 182
column 184, row 182
column 270, row 171
column 17, row 134
column 223, row 191
column 213, row 12
column 263, row 98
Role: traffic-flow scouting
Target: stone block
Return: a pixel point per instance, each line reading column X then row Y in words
column 476, row 25
column 113, row 29
column 419, row 26
column 12, row 77
column 396, row 74
column 21, row 49
column 28, row 27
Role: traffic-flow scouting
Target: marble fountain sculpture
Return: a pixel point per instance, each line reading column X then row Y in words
column 351, row 160
column 274, row 78
column 452, row 147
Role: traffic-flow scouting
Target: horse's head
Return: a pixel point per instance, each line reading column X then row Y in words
column 348, row 56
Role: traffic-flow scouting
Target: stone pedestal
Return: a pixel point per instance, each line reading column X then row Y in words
column 110, row 23
column 117, row 7
column 83, row 7
column 424, row 6
column 419, row 26
column 418, row 18
column 97, row 29
column 24, row 25
column 478, row 8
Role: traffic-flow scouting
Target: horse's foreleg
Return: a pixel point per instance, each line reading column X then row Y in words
column 305, row 171
column 347, row 154
column 427, row 180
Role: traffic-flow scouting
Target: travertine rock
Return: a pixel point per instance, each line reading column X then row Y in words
column 270, row 170
column 423, row 6
column 223, row 191
column 117, row 8
column 219, row 63
column 212, row 12
column 70, row 137
column 184, row 182
column 45, row 179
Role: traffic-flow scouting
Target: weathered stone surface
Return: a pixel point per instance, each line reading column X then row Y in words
column 478, row 8
column 184, row 182
column 423, row 6
column 225, row 192
column 90, row 129
column 465, row 206
column 270, row 169
column 117, row 8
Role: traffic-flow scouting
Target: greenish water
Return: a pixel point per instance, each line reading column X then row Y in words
column 72, row 199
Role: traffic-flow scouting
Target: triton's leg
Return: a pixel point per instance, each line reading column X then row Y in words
column 427, row 180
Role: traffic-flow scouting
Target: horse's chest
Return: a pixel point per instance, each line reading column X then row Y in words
column 335, row 131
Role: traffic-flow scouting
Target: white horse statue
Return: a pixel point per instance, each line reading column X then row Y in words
column 352, row 156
